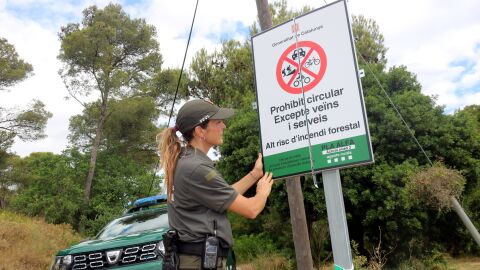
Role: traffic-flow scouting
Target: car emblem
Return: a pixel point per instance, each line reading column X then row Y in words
column 113, row 256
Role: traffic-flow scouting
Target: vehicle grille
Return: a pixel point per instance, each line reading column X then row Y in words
column 128, row 255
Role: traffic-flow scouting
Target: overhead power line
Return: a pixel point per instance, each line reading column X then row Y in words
column 178, row 86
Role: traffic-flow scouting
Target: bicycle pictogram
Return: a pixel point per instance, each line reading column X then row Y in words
column 301, row 78
column 312, row 61
column 308, row 55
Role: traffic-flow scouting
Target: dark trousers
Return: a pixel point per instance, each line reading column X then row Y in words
column 189, row 262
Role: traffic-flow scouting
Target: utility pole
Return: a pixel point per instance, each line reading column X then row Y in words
column 264, row 15
column 466, row 221
column 298, row 219
column 303, row 253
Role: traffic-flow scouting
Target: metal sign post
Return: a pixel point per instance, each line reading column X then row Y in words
column 337, row 221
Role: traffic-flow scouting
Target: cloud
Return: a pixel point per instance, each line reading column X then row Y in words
column 214, row 21
column 428, row 36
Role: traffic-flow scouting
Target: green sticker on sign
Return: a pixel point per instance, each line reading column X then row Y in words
column 334, row 154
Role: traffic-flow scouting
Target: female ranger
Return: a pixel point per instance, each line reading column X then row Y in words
column 198, row 196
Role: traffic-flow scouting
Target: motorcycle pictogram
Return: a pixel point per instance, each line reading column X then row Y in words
column 288, row 71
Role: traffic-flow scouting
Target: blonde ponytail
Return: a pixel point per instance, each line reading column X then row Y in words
column 169, row 147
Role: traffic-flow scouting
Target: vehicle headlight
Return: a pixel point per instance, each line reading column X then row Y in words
column 161, row 248
column 62, row 262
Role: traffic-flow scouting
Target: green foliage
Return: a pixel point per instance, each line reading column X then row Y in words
column 377, row 197
column 131, row 128
column 391, row 139
column 82, row 127
column 12, row 178
column 225, row 77
column 241, row 145
column 119, row 180
column 163, row 86
column 399, row 79
column 129, row 131
column 55, row 189
column 12, row 69
column 108, row 52
column 435, row 260
column 125, row 164
column 368, row 40
column 26, row 124
column 53, row 193
column 119, row 57
column 462, row 136
column 247, row 247
column 359, row 261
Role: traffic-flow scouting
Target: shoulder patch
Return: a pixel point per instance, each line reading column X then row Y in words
column 209, row 176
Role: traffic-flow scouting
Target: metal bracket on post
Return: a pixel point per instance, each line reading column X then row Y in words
column 361, row 73
column 337, row 221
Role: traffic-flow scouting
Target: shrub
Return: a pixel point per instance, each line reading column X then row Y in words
column 249, row 247
column 437, row 185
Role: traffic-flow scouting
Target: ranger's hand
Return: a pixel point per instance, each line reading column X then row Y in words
column 258, row 168
column 264, row 185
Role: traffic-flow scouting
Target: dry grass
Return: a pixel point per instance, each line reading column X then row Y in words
column 464, row 263
column 264, row 262
column 453, row 263
column 30, row 243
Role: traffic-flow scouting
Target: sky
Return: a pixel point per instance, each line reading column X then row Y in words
column 437, row 40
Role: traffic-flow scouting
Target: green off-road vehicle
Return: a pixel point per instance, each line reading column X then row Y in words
column 130, row 242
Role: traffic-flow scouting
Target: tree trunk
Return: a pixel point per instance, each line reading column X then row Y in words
column 301, row 242
column 264, row 15
column 94, row 152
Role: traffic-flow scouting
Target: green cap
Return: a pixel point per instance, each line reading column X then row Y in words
column 195, row 112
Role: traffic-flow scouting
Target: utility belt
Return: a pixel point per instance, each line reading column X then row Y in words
column 197, row 249
column 209, row 251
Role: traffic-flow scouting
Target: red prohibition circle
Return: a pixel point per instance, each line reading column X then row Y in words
column 310, row 78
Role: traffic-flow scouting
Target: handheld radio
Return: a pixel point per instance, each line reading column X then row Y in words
column 211, row 249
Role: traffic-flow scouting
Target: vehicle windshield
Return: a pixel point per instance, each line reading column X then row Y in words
column 138, row 222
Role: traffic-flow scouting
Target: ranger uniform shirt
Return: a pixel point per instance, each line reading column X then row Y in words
column 200, row 196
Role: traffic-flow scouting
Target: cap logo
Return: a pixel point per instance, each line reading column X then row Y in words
column 203, row 119
column 209, row 101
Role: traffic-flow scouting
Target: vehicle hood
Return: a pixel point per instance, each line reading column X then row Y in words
column 115, row 242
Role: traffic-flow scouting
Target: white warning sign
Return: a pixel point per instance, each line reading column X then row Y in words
column 309, row 94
